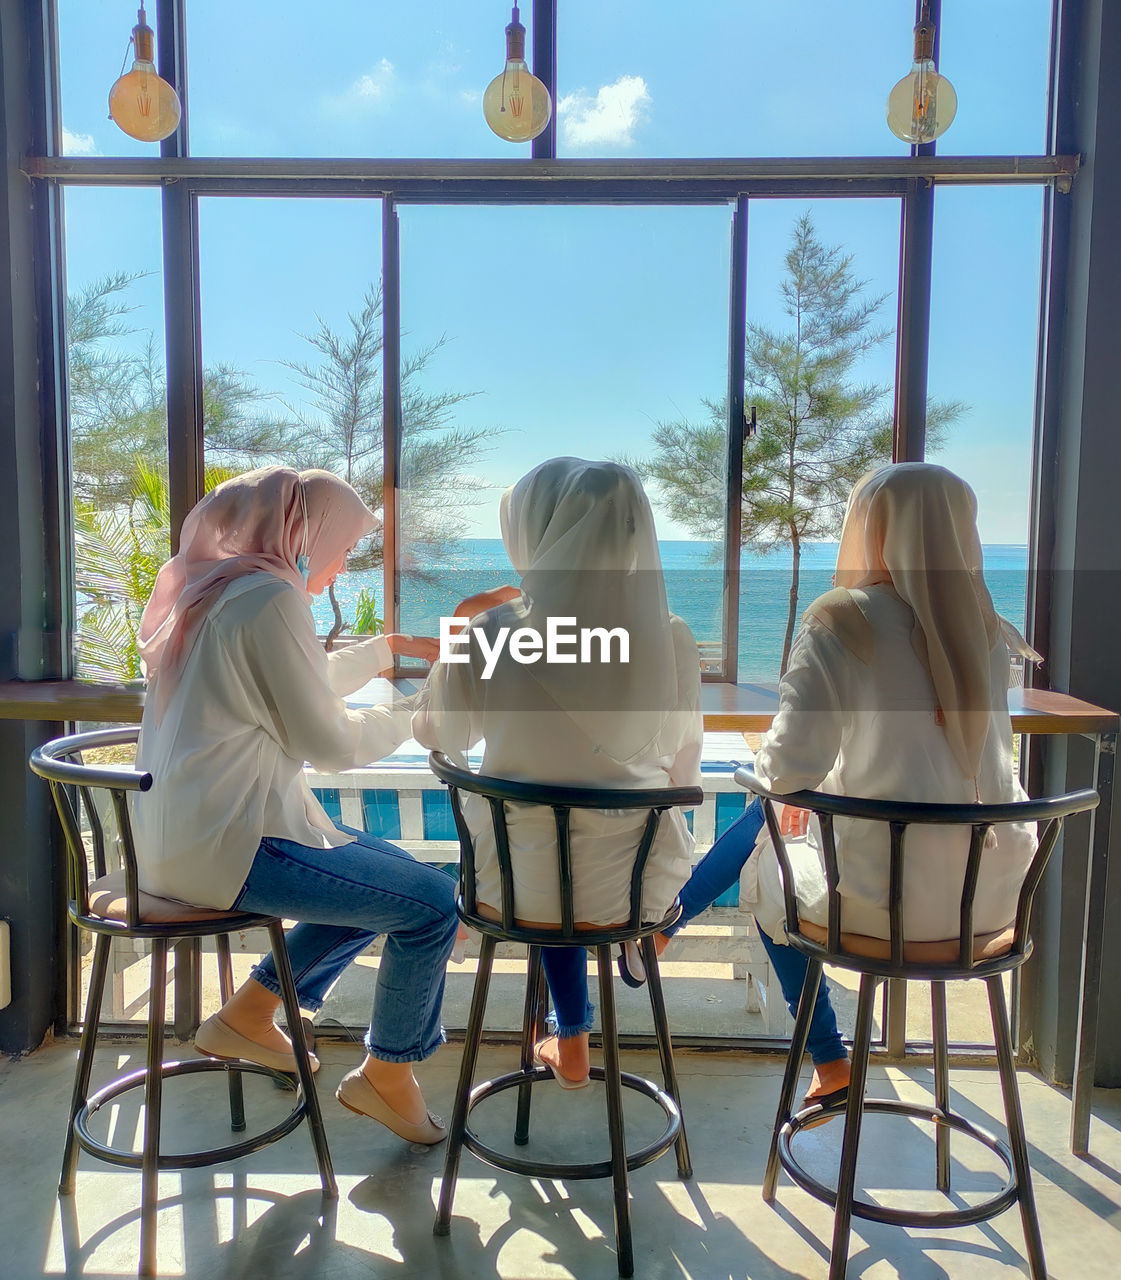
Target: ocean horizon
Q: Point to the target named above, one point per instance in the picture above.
(694, 582)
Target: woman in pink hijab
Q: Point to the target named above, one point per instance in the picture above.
(241, 694)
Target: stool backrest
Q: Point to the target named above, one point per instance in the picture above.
(562, 800)
(74, 785)
(899, 815)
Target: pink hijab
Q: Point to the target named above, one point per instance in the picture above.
(260, 522)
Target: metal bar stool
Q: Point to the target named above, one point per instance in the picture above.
(562, 800)
(114, 906)
(969, 955)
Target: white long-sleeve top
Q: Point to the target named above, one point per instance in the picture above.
(257, 698)
(870, 729)
(545, 746)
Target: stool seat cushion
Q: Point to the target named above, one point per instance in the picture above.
(108, 900)
(947, 951)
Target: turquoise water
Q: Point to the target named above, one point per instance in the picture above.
(693, 586)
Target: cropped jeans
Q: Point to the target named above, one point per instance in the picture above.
(343, 898)
(566, 972)
(716, 872)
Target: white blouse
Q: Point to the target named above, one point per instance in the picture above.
(546, 746)
(870, 729)
(258, 697)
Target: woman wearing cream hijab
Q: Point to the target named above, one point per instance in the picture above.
(896, 690)
(240, 695)
(581, 535)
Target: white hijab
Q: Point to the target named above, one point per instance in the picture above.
(913, 526)
(582, 537)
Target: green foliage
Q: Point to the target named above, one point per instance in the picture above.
(118, 553)
(343, 433)
(118, 424)
(366, 620)
(819, 429)
(118, 402)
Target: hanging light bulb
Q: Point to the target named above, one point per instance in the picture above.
(516, 104)
(142, 104)
(923, 104)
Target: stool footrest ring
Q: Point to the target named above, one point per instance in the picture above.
(575, 1172)
(970, 1215)
(188, 1159)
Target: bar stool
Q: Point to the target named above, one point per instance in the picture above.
(112, 906)
(970, 955)
(562, 800)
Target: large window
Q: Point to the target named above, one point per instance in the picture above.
(355, 272)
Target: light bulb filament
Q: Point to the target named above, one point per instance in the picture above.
(517, 102)
(144, 103)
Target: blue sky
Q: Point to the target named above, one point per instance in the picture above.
(582, 327)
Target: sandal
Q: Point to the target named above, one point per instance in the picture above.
(632, 969)
(826, 1100)
(563, 1081)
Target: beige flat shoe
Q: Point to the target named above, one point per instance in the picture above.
(357, 1094)
(216, 1039)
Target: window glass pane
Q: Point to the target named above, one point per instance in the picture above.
(118, 457)
(825, 403)
(291, 344)
(732, 79)
(984, 324)
(118, 418)
(92, 41)
(996, 56)
(809, 80)
(538, 332)
(286, 78)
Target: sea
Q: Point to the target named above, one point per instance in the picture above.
(694, 581)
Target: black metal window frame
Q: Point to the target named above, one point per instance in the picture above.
(542, 179)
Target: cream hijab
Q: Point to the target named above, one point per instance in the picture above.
(582, 537)
(263, 521)
(913, 526)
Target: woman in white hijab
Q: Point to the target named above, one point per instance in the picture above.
(581, 535)
(896, 689)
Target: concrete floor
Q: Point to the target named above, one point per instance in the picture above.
(262, 1219)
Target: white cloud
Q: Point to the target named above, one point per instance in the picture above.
(374, 86)
(609, 116)
(78, 144)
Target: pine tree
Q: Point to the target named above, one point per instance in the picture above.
(819, 429)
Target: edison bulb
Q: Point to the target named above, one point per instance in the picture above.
(143, 104)
(516, 104)
(922, 105)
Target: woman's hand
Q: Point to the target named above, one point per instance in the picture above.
(792, 821)
(485, 600)
(426, 648)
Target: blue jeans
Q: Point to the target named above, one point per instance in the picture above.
(566, 972)
(343, 899)
(716, 872)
